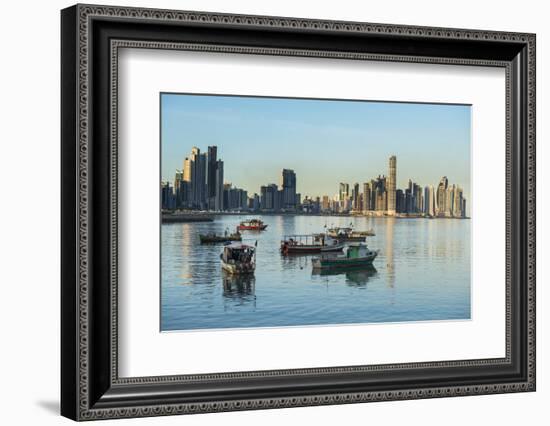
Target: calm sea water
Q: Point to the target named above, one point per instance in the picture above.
(421, 273)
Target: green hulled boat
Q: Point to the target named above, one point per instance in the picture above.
(354, 256)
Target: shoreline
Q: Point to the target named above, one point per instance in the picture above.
(189, 217)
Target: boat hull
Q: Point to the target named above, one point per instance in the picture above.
(343, 263)
(205, 239)
(303, 249)
(238, 269)
(251, 228)
(358, 239)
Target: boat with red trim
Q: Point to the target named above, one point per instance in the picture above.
(251, 225)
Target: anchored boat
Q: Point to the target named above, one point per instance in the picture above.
(213, 238)
(251, 225)
(238, 258)
(355, 255)
(349, 234)
(310, 243)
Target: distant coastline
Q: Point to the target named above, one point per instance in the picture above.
(207, 216)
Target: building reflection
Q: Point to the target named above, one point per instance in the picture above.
(185, 242)
(197, 261)
(388, 251)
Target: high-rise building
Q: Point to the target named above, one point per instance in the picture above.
(399, 201)
(235, 199)
(181, 191)
(392, 185)
(188, 166)
(288, 185)
(325, 203)
(458, 202)
(195, 173)
(355, 197)
(269, 197)
(449, 200)
(429, 201)
(441, 196)
(211, 182)
(344, 191)
(380, 194)
(366, 197)
(218, 192)
(255, 202)
(178, 193)
(203, 178)
(418, 198)
(167, 196)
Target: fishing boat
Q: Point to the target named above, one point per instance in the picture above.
(238, 258)
(251, 225)
(310, 243)
(355, 255)
(349, 234)
(213, 238)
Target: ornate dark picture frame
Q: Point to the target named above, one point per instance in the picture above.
(90, 385)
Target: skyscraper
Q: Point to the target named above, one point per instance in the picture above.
(391, 185)
(449, 200)
(178, 180)
(441, 196)
(366, 197)
(399, 201)
(195, 171)
(428, 206)
(288, 185)
(458, 202)
(188, 166)
(356, 197)
(168, 200)
(211, 166)
(269, 197)
(343, 194)
(418, 198)
(218, 192)
(325, 204)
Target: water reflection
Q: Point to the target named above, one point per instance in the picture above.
(389, 252)
(299, 261)
(422, 272)
(355, 277)
(238, 285)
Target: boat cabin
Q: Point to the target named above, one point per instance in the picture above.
(238, 253)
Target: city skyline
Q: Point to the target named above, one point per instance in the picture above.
(434, 140)
(201, 186)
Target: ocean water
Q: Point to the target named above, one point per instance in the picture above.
(422, 273)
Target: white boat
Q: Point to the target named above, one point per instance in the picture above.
(238, 258)
(310, 243)
(349, 234)
(354, 256)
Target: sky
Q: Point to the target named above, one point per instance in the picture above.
(324, 141)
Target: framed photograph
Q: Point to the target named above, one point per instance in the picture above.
(263, 212)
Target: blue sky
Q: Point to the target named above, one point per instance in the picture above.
(324, 141)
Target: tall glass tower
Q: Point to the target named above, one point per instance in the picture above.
(391, 185)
